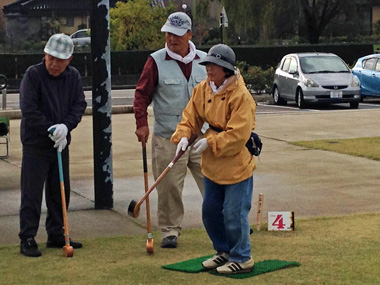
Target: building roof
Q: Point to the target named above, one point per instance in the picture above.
(24, 7)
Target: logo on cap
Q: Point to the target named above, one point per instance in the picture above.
(176, 21)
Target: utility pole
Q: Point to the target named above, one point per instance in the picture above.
(221, 28)
(101, 104)
(223, 23)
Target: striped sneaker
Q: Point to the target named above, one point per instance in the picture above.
(218, 259)
(236, 267)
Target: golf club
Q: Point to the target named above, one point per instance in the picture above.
(149, 241)
(68, 250)
(134, 207)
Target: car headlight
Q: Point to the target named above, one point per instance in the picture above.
(355, 81)
(309, 82)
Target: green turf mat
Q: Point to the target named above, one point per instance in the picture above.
(190, 266)
(195, 266)
(260, 268)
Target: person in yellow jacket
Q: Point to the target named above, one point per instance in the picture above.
(223, 101)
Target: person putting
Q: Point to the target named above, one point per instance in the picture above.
(223, 101)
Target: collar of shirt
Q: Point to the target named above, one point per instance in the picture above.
(167, 57)
(216, 89)
(185, 68)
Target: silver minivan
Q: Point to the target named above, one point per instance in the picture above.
(315, 78)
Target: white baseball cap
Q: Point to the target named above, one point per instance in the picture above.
(177, 23)
(60, 46)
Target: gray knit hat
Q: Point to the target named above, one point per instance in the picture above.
(60, 46)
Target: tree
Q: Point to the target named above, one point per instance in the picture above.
(258, 21)
(318, 14)
(137, 24)
(246, 17)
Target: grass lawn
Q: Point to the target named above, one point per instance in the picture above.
(333, 250)
(363, 147)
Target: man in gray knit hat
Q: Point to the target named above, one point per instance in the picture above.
(52, 103)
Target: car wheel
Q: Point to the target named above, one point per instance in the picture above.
(277, 98)
(354, 105)
(299, 98)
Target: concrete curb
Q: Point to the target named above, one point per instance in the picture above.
(119, 109)
(124, 109)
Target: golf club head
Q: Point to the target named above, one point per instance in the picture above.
(133, 209)
(68, 251)
(149, 246)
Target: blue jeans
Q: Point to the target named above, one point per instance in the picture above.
(225, 212)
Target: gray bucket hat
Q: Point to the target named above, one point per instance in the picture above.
(177, 23)
(221, 55)
(60, 46)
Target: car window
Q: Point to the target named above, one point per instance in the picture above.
(82, 34)
(377, 67)
(293, 66)
(285, 66)
(369, 63)
(323, 64)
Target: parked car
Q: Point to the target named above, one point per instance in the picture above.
(367, 69)
(315, 78)
(81, 37)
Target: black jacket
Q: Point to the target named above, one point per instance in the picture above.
(46, 100)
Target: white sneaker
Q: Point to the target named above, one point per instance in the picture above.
(236, 267)
(217, 260)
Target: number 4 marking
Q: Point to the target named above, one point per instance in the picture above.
(279, 222)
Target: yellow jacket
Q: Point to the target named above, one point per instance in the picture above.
(227, 159)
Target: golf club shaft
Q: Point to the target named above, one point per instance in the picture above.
(63, 198)
(145, 166)
(167, 169)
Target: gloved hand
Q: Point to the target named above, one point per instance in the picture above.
(182, 145)
(61, 144)
(60, 132)
(200, 145)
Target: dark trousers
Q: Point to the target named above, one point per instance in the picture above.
(39, 169)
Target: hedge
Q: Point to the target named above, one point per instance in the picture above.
(129, 64)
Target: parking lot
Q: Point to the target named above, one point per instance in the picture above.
(269, 107)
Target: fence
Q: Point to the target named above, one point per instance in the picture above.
(126, 66)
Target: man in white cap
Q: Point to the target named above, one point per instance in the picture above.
(167, 80)
(52, 101)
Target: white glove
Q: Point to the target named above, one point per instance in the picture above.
(182, 145)
(61, 144)
(60, 132)
(200, 145)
